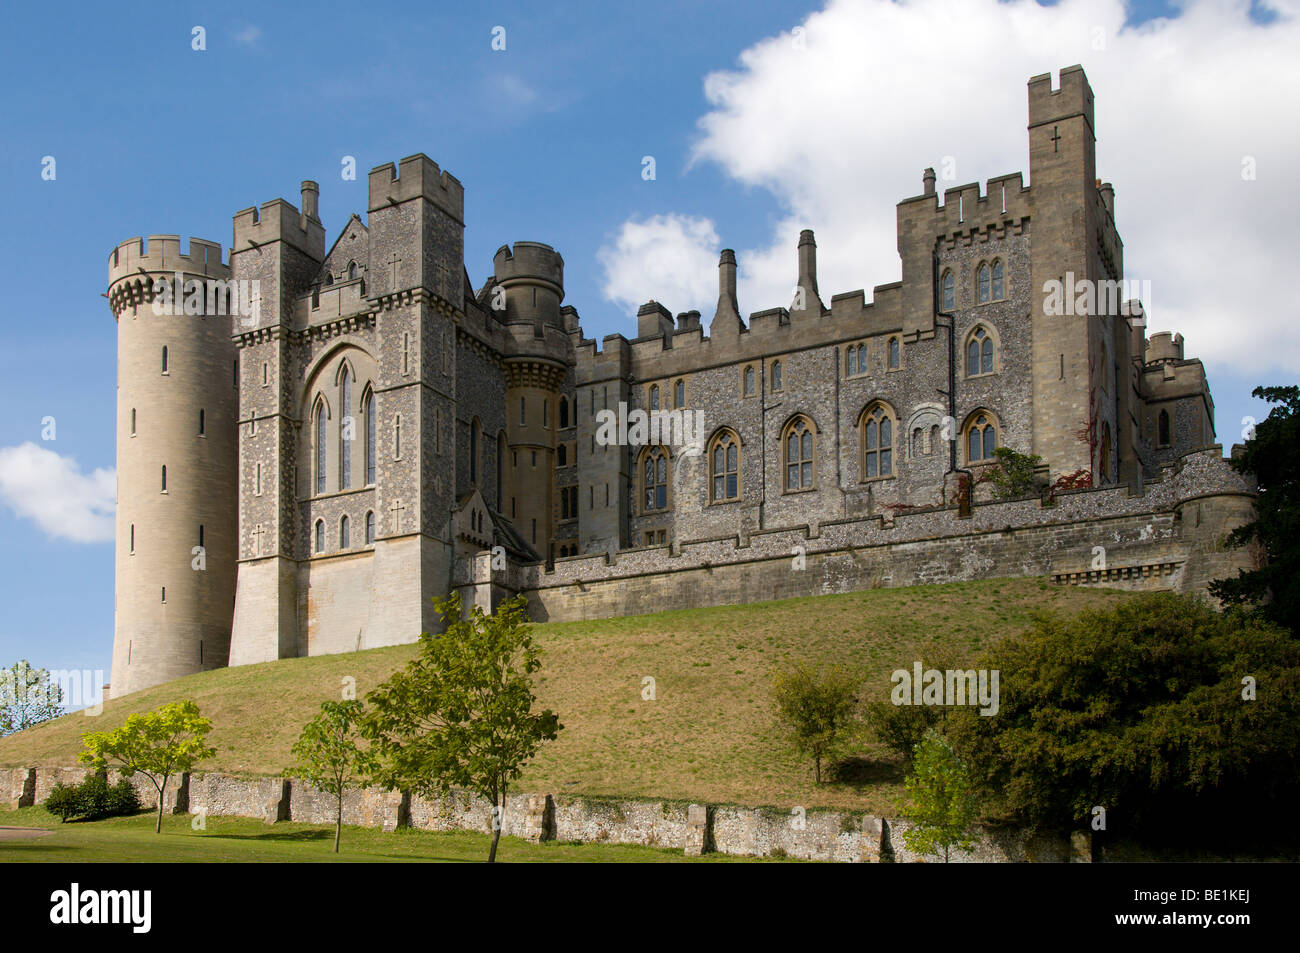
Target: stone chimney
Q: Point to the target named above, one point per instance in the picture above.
(1107, 196)
(812, 302)
(311, 199)
(727, 318)
(927, 182)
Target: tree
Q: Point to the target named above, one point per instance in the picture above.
(461, 712)
(941, 799)
(816, 706)
(1013, 477)
(1160, 710)
(158, 745)
(27, 697)
(1272, 454)
(328, 755)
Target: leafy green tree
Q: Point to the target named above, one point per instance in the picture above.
(816, 706)
(1272, 454)
(158, 745)
(27, 697)
(941, 799)
(1161, 710)
(461, 712)
(329, 755)
(1013, 476)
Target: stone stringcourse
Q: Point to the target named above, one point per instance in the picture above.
(697, 829)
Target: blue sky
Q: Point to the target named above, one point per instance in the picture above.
(548, 137)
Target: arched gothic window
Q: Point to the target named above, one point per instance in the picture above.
(679, 395)
(857, 359)
(347, 427)
(877, 443)
(981, 439)
(1162, 429)
(352, 270)
(979, 353)
(894, 353)
(997, 281)
(982, 289)
(799, 447)
(776, 375)
(654, 396)
(724, 467)
(345, 532)
(654, 479)
(320, 536)
(320, 446)
(949, 292)
(564, 412)
(749, 381)
(370, 527)
(371, 436)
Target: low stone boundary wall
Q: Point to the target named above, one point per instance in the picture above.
(694, 828)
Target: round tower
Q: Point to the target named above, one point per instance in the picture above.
(532, 279)
(177, 400)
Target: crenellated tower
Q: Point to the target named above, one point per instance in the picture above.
(177, 393)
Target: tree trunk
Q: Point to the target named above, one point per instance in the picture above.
(162, 791)
(818, 758)
(498, 822)
(338, 822)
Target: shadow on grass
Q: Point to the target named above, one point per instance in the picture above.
(861, 772)
(290, 836)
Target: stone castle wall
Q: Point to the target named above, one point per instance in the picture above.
(1168, 536)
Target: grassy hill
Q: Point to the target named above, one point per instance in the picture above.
(709, 733)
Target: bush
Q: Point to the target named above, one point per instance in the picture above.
(1161, 710)
(92, 799)
(63, 801)
(1013, 477)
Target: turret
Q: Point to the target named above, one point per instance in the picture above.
(531, 276)
(176, 458)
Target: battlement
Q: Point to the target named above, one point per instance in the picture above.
(965, 207)
(163, 253)
(529, 261)
(1073, 97)
(278, 220)
(417, 176)
(1164, 346)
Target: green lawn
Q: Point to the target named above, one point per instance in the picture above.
(708, 735)
(243, 840)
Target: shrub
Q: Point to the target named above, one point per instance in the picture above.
(1013, 477)
(92, 799)
(1161, 710)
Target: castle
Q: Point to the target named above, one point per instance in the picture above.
(369, 431)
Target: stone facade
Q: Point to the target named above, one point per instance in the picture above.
(397, 434)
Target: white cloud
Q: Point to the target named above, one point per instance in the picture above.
(38, 484)
(837, 125)
(669, 258)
